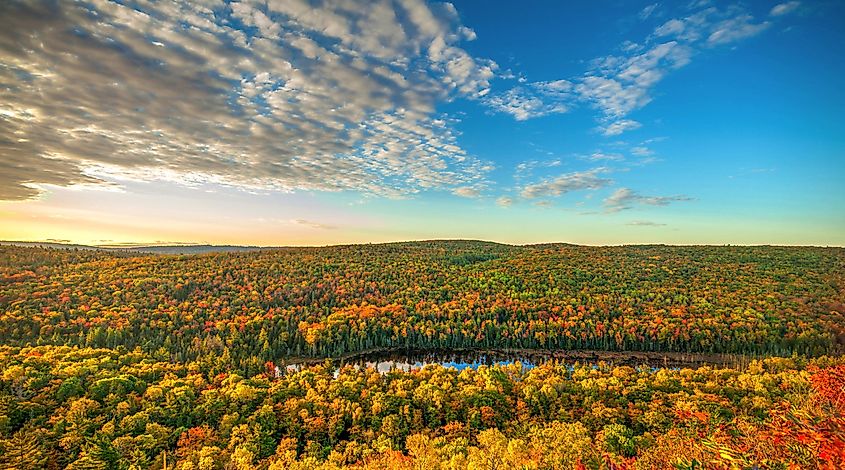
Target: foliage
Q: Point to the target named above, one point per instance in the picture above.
(135, 362)
(245, 309)
(775, 413)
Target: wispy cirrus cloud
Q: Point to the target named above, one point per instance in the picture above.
(618, 127)
(566, 183)
(648, 11)
(312, 224)
(642, 151)
(734, 29)
(617, 85)
(784, 8)
(626, 198)
(604, 156)
(282, 95)
(644, 223)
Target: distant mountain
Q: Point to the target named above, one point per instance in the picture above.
(63, 246)
(154, 249)
(445, 244)
(192, 249)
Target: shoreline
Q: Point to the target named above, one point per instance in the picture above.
(666, 359)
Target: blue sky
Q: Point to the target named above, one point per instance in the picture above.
(286, 122)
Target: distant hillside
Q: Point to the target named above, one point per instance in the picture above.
(192, 249)
(447, 244)
(450, 247)
(155, 249)
(64, 246)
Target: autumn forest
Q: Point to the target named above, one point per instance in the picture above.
(136, 361)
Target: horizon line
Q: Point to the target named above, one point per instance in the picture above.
(131, 246)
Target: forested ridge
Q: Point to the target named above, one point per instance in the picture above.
(324, 302)
(127, 361)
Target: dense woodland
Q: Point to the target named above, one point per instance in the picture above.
(82, 408)
(113, 360)
(249, 308)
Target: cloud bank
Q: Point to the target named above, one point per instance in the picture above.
(285, 95)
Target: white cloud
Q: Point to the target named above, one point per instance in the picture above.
(611, 96)
(468, 33)
(734, 29)
(504, 201)
(526, 169)
(330, 96)
(621, 85)
(644, 223)
(784, 8)
(566, 183)
(467, 191)
(625, 198)
(312, 224)
(334, 96)
(616, 86)
(648, 11)
(699, 4)
(532, 101)
(601, 156)
(642, 151)
(618, 127)
(672, 27)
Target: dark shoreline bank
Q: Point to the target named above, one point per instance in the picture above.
(535, 356)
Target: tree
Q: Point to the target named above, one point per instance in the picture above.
(22, 452)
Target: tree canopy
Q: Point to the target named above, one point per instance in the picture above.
(118, 361)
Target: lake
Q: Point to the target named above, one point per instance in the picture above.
(386, 360)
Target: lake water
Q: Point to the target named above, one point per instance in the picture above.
(385, 361)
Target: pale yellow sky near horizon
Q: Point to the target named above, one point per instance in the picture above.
(150, 213)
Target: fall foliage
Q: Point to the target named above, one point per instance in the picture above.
(116, 361)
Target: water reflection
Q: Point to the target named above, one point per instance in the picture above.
(386, 361)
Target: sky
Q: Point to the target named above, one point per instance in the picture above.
(296, 122)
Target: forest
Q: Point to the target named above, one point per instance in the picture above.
(132, 361)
